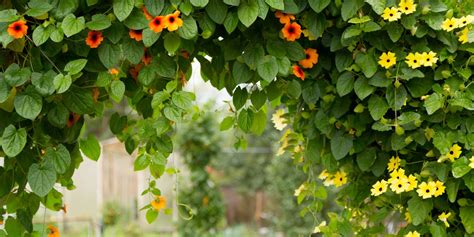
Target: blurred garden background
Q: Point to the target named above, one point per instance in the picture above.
(213, 187)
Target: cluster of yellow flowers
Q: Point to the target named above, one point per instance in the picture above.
(413, 234)
(414, 60)
(471, 163)
(337, 179)
(399, 182)
(395, 13)
(453, 23)
(278, 120)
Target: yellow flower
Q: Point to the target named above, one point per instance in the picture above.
(387, 60)
(317, 229)
(463, 36)
(429, 58)
(413, 234)
(407, 6)
(324, 174)
(414, 60)
(329, 181)
(408, 217)
(391, 14)
(400, 185)
(463, 21)
(278, 120)
(412, 183)
(444, 218)
(393, 163)
(471, 164)
(439, 188)
(340, 178)
(158, 203)
(397, 174)
(283, 143)
(299, 190)
(426, 190)
(379, 188)
(454, 152)
(450, 24)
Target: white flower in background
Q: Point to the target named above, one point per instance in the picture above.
(299, 190)
(278, 120)
(317, 229)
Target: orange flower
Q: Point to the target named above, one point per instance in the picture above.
(158, 24)
(113, 71)
(53, 231)
(173, 21)
(17, 29)
(159, 203)
(291, 31)
(148, 16)
(298, 72)
(94, 38)
(312, 57)
(284, 18)
(73, 118)
(136, 34)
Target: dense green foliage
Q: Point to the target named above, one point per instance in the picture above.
(349, 115)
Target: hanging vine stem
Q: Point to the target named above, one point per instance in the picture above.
(44, 54)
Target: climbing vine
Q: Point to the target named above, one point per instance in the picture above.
(377, 94)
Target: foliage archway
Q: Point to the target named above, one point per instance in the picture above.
(358, 81)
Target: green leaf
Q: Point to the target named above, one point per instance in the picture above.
(159, 98)
(258, 98)
(469, 181)
(396, 97)
(41, 178)
(151, 215)
(150, 37)
(467, 218)
(58, 116)
(136, 20)
(239, 98)
(90, 147)
(172, 113)
(259, 122)
(4, 90)
(394, 31)
(227, 123)
(368, 64)
(294, 89)
(461, 167)
(13, 140)
(62, 83)
(199, 3)
(38, 8)
(110, 55)
(13, 227)
(154, 7)
(366, 159)
(133, 51)
(117, 123)
(437, 230)
(75, 66)
(172, 42)
(341, 145)
(362, 88)
(166, 67)
(245, 120)
(231, 21)
(350, 7)
(16, 76)
(59, 157)
(241, 72)
(419, 209)
(318, 5)
(351, 31)
(377, 5)
(316, 24)
(72, 25)
(28, 104)
(232, 2)
(189, 30)
(41, 35)
(277, 4)
(217, 11)
(8, 15)
(79, 100)
(117, 90)
(433, 103)
(248, 12)
(141, 162)
(123, 8)
(345, 83)
(183, 99)
(452, 187)
(147, 75)
(268, 68)
(99, 22)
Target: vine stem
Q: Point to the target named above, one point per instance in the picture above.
(46, 56)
